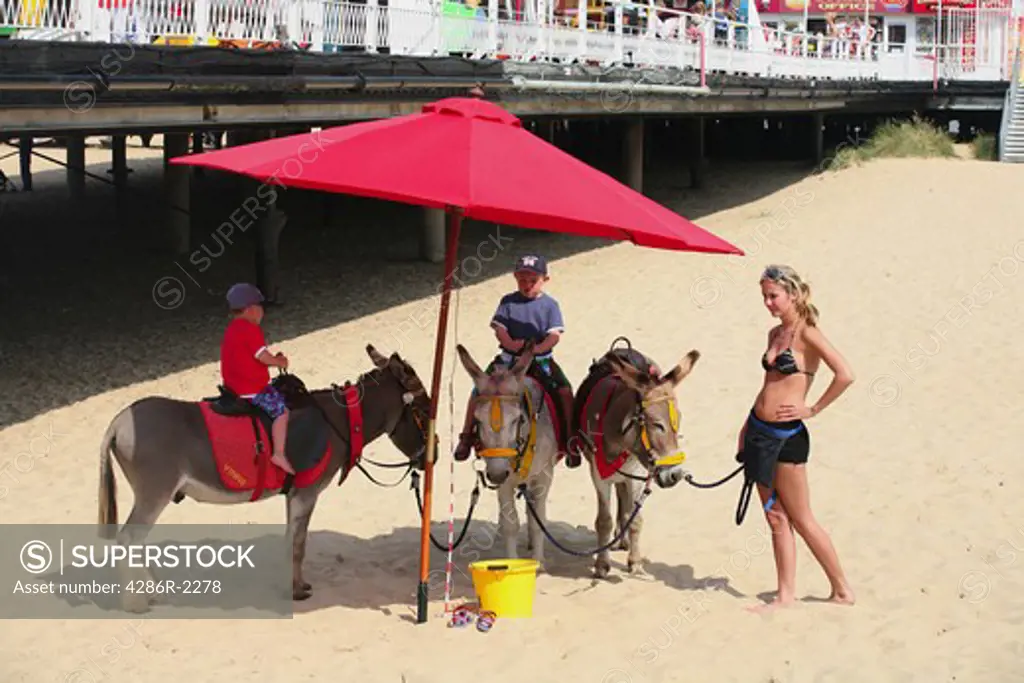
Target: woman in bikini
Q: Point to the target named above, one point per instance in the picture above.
(775, 441)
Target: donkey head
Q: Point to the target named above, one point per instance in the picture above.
(502, 407)
(406, 405)
(650, 428)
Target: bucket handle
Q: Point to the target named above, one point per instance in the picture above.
(497, 567)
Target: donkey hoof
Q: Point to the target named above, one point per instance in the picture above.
(601, 569)
(302, 592)
(307, 586)
(636, 568)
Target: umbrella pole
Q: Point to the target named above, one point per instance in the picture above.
(451, 251)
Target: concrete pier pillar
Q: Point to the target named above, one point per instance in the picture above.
(432, 241)
(268, 263)
(76, 166)
(546, 130)
(176, 194)
(818, 131)
(25, 157)
(119, 160)
(633, 153)
(697, 157)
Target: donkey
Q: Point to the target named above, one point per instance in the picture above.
(517, 440)
(166, 451)
(626, 427)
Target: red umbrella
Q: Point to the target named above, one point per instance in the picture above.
(475, 160)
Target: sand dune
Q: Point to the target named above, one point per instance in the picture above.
(917, 269)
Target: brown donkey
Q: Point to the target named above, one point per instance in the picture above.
(170, 449)
(627, 425)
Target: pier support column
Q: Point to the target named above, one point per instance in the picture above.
(76, 166)
(25, 157)
(119, 160)
(176, 194)
(268, 263)
(818, 131)
(546, 130)
(432, 241)
(633, 151)
(697, 157)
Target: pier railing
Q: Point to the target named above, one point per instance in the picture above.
(620, 33)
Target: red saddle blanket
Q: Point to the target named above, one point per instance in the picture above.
(592, 421)
(240, 465)
(549, 402)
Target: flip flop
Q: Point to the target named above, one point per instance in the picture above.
(485, 621)
(462, 616)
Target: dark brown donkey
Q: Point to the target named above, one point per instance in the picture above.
(165, 450)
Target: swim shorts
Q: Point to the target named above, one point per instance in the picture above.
(271, 401)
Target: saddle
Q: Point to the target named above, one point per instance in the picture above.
(308, 432)
(599, 369)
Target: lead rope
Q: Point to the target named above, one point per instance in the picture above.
(448, 573)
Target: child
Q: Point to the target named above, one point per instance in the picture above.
(244, 361)
(529, 314)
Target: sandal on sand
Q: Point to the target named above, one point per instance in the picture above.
(485, 621)
(461, 616)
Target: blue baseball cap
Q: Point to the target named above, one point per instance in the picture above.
(532, 263)
(243, 295)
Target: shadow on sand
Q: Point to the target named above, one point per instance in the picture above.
(341, 574)
(88, 305)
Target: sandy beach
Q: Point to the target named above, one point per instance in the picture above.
(916, 266)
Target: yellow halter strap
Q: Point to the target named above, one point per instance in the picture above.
(677, 458)
(522, 467)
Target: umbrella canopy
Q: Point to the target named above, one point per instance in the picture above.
(471, 154)
(473, 159)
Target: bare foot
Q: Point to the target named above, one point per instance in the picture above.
(843, 596)
(283, 463)
(770, 607)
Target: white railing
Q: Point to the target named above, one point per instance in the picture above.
(623, 33)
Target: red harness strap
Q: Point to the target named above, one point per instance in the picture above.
(355, 425)
(604, 468)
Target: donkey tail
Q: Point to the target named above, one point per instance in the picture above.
(108, 485)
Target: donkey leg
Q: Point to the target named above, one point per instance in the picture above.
(300, 509)
(603, 525)
(508, 518)
(150, 502)
(622, 514)
(635, 559)
(539, 487)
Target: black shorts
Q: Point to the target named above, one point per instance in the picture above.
(767, 443)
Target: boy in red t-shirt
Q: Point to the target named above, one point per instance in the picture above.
(244, 361)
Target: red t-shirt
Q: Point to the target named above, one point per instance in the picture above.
(239, 369)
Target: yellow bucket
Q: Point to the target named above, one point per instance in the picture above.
(505, 587)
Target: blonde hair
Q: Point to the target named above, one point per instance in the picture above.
(794, 285)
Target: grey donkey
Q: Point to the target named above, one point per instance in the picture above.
(163, 448)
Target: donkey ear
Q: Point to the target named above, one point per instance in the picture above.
(379, 360)
(680, 371)
(522, 363)
(467, 362)
(626, 372)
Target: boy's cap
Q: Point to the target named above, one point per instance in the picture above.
(532, 263)
(243, 295)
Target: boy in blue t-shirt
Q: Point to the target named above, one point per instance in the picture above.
(530, 314)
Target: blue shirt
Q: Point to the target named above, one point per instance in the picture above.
(526, 318)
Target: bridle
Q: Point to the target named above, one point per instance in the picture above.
(638, 422)
(525, 442)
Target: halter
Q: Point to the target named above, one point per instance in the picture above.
(640, 419)
(523, 453)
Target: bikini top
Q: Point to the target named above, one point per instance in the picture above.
(784, 363)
